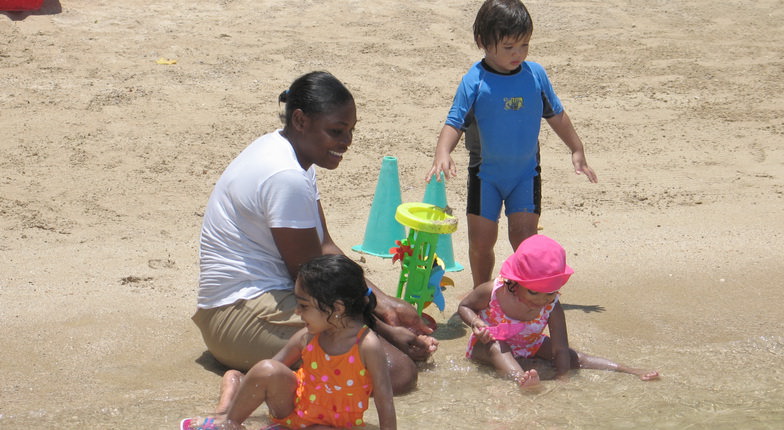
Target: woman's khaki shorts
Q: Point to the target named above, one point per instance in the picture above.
(241, 334)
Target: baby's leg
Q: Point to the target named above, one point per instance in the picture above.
(499, 355)
(267, 381)
(590, 362)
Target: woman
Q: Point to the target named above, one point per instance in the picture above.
(264, 219)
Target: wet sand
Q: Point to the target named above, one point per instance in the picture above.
(108, 158)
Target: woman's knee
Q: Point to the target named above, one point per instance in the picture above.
(404, 374)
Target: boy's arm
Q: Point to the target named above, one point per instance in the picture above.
(560, 341)
(563, 127)
(292, 351)
(375, 361)
(442, 162)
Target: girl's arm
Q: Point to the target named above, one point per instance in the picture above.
(292, 351)
(447, 141)
(471, 305)
(563, 127)
(374, 359)
(560, 341)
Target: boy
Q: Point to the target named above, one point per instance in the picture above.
(504, 97)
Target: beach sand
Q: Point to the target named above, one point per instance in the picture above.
(107, 159)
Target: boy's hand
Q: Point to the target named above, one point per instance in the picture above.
(581, 166)
(442, 164)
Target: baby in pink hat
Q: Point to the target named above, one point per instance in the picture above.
(507, 317)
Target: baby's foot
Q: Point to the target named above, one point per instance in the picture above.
(530, 378)
(648, 375)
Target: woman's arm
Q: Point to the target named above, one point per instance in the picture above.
(374, 359)
(391, 310)
(299, 245)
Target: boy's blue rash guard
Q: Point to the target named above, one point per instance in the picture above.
(508, 110)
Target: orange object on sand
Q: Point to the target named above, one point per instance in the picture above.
(18, 5)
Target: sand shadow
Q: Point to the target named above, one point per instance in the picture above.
(454, 328)
(49, 7)
(585, 308)
(209, 363)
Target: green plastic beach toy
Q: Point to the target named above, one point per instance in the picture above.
(426, 222)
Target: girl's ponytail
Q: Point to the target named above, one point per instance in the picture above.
(370, 307)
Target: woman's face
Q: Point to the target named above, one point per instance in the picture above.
(324, 138)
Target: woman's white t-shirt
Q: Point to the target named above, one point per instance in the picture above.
(263, 188)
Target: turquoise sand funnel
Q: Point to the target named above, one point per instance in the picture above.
(382, 230)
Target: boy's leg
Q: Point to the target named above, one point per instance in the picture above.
(523, 206)
(482, 235)
(521, 226)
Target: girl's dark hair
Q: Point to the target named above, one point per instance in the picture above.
(498, 19)
(314, 93)
(329, 278)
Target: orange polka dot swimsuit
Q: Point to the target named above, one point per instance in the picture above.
(332, 390)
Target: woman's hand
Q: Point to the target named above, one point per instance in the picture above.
(418, 347)
(399, 313)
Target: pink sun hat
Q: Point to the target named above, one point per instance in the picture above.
(539, 264)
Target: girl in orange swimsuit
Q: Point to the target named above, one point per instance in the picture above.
(342, 360)
(508, 316)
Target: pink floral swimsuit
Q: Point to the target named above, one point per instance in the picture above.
(523, 337)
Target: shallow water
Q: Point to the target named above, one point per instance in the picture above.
(732, 384)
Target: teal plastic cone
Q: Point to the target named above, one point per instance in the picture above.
(382, 230)
(435, 194)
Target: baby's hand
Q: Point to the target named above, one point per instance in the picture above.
(482, 333)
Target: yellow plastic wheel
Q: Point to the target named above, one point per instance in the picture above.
(426, 217)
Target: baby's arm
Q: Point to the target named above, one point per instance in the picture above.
(374, 359)
(442, 162)
(560, 341)
(471, 305)
(563, 127)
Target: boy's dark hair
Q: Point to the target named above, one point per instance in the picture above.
(329, 278)
(498, 19)
(314, 93)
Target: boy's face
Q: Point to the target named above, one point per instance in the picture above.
(508, 54)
